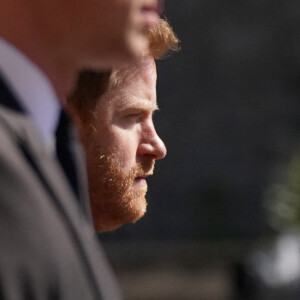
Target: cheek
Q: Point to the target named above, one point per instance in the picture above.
(125, 146)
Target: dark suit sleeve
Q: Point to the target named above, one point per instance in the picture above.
(47, 250)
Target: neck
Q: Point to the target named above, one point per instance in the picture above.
(20, 27)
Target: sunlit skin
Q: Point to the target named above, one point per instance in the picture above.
(121, 147)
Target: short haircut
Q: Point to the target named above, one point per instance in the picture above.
(92, 84)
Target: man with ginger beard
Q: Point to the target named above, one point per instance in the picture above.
(118, 133)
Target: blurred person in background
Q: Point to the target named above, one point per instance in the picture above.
(113, 112)
(48, 249)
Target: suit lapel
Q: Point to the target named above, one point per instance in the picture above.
(7, 99)
(23, 129)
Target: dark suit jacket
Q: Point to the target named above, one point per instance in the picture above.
(47, 247)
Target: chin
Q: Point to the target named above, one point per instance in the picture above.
(133, 212)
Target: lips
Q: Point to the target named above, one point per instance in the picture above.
(142, 178)
(143, 170)
(151, 13)
(150, 17)
(157, 6)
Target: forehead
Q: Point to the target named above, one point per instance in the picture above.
(142, 72)
(133, 84)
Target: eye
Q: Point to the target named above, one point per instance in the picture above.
(134, 116)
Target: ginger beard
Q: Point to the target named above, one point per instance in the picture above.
(117, 196)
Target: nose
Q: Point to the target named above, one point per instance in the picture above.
(152, 145)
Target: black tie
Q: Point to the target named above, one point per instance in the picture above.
(65, 151)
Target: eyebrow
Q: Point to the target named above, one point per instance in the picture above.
(139, 105)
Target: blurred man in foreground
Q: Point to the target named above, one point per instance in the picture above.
(48, 250)
(113, 112)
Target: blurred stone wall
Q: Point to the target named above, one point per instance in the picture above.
(230, 117)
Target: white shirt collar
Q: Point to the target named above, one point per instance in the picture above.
(32, 89)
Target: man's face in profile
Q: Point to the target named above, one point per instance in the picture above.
(98, 33)
(121, 147)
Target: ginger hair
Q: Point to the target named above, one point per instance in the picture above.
(162, 40)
